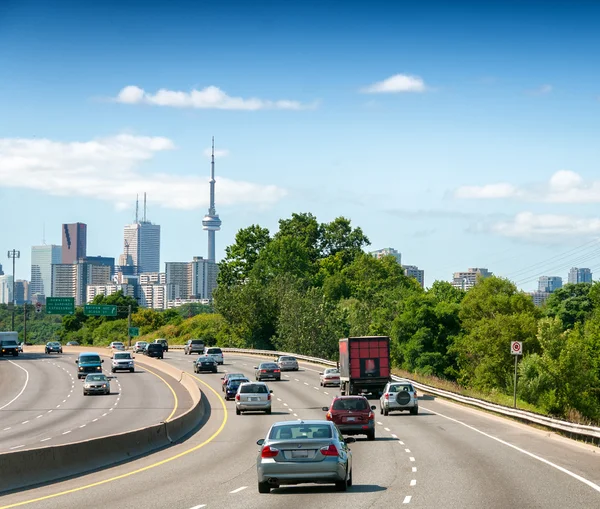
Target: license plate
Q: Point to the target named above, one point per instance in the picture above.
(299, 454)
(252, 399)
(350, 419)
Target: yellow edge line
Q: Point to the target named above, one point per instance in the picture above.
(139, 470)
(172, 392)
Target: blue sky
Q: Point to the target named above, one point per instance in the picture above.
(463, 134)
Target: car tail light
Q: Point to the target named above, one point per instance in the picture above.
(275, 371)
(237, 397)
(268, 397)
(331, 450)
(329, 416)
(387, 396)
(263, 370)
(415, 394)
(269, 452)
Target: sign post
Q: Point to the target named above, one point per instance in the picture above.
(38, 307)
(516, 348)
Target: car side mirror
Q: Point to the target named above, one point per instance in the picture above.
(320, 373)
(260, 442)
(102, 361)
(349, 440)
(76, 362)
(325, 409)
(270, 392)
(255, 367)
(132, 357)
(373, 407)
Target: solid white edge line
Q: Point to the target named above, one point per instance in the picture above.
(523, 451)
(407, 499)
(24, 386)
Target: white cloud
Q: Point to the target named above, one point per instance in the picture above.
(109, 169)
(208, 98)
(542, 90)
(218, 152)
(546, 227)
(395, 84)
(563, 187)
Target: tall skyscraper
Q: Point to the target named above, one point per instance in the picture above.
(204, 278)
(415, 272)
(580, 275)
(179, 279)
(387, 251)
(141, 244)
(72, 279)
(6, 289)
(21, 292)
(211, 221)
(549, 283)
(42, 259)
(74, 242)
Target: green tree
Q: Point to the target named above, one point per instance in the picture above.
(572, 303)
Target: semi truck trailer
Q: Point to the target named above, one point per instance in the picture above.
(364, 365)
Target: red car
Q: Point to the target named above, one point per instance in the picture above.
(352, 415)
(229, 376)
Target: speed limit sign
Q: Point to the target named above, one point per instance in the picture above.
(516, 347)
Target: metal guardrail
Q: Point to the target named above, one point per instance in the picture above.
(580, 430)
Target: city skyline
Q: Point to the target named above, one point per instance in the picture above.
(459, 154)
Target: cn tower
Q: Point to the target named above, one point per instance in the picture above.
(211, 221)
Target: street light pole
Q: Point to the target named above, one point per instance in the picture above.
(14, 254)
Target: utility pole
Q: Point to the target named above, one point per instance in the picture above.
(129, 324)
(25, 323)
(14, 254)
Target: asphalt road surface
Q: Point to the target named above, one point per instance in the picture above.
(448, 456)
(42, 402)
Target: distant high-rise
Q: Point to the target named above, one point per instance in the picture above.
(21, 292)
(467, 280)
(549, 283)
(42, 259)
(414, 272)
(211, 221)
(141, 244)
(580, 275)
(74, 242)
(6, 289)
(1, 272)
(387, 251)
(72, 279)
(204, 278)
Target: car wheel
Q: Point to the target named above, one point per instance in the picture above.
(238, 411)
(414, 410)
(341, 485)
(386, 411)
(85, 393)
(381, 410)
(132, 370)
(112, 370)
(371, 435)
(349, 481)
(263, 487)
(268, 412)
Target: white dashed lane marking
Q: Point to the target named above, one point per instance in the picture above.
(16, 447)
(306, 383)
(45, 439)
(411, 458)
(24, 422)
(413, 482)
(407, 499)
(239, 489)
(66, 432)
(407, 450)
(325, 392)
(414, 469)
(387, 429)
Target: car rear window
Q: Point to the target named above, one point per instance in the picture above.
(300, 431)
(268, 365)
(154, 346)
(254, 388)
(197, 342)
(236, 382)
(350, 404)
(214, 350)
(403, 387)
(288, 358)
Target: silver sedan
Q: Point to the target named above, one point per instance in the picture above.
(301, 452)
(253, 397)
(287, 363)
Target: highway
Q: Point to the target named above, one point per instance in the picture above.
(448, 456)
(43, 404)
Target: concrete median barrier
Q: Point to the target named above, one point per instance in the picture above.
(21, 469)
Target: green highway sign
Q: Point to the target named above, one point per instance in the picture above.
(60, 305)
(99, 310)
(134, 331)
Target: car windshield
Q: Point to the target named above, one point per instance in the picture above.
(332, 371)
(95, 378)
(350, 404)
(53, 343)
(89, 358)
(268, 365)
(254, 389)
(124, 355)
(9, 342)
(401, 387)
(300, 431)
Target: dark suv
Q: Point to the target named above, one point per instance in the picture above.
(154, 350)
(163, 343)
(193, 346)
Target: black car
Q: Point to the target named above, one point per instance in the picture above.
(154, 350)
(232, 387)
(53, 347)
(267, 371)
(205, 364)
(163, 343)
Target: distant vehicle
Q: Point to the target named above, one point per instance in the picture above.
(287, 363)
(232, 387)
(117, 345)
(21, 345)
(88, 363)
(154, 350)
(122, 361)
(53, 347)
(298, 452)
(215, 353)
(352, 415)
(330, 376)
(72, 343)
(253, 397)
(9, 343)
(96, 384)
(364, 365)
(193, 346)
(267, 371)
(230, 376)
(399, 396)
(139, 346)
(205, 364)
(162, 342)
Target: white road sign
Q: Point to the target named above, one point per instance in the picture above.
(516, 347)
(38, 307)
